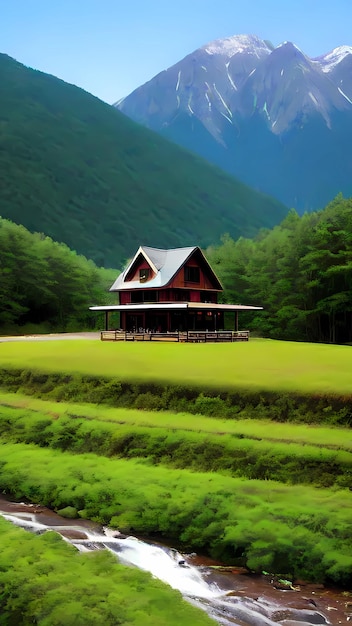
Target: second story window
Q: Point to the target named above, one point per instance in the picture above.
(144, 275)
(139, 296)
(192, 274)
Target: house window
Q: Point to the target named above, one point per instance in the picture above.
(192, 274)
(207, 296)
(144, 275)
(138, 296)
(181, 295)
(151, 296)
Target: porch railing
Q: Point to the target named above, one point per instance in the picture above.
(193, 336)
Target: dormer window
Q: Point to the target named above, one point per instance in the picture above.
(192, 274)
(144, 275)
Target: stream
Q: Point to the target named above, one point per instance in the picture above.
(228, 597)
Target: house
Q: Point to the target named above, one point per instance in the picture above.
(169, 291)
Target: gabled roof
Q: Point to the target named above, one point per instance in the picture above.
(164, 263)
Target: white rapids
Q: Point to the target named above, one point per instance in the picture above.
(163, 563)
(170, 566)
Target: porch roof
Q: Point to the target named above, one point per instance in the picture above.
(176, 306)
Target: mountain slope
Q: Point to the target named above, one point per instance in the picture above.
(78, 170)
(273, 117)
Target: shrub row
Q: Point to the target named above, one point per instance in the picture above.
(296, 531)
(325, 436)
(282, 407)
(235, 455)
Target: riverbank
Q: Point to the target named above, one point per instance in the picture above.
(305, 601)
(45, 580)
(298, 531)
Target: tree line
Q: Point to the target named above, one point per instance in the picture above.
(300, 272)
(44, 285)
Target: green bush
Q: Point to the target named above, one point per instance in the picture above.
(47, 582)
(68, 511)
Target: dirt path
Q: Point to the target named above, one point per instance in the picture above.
(51, 337)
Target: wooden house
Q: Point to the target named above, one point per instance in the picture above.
(169, 291)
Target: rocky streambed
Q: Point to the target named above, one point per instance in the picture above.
(229, 595)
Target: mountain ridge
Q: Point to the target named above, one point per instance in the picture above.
(224, 87)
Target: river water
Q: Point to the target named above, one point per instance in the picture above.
(229, 598)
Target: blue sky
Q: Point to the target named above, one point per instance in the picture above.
(110, 47)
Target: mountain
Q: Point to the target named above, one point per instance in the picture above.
(79, 171)
(273, 117)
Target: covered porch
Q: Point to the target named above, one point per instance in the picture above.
(177, 321)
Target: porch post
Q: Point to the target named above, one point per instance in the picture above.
(236, 320)
(106, 320)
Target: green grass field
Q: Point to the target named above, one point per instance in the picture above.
(257, 365)
(264, 477)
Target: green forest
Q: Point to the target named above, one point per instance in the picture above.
(45, 286)
(300, 272)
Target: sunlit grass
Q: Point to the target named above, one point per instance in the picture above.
(329, 437)
(256, 365)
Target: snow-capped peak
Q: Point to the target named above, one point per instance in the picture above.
(236, 45)
(290, 45)
(333, 58)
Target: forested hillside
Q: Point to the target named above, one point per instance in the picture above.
(300, 272)
(44, 285)
(78, 170)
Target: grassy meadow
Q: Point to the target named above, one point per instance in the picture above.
(176, 440)
(257, 365)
